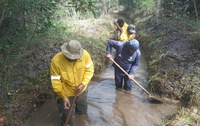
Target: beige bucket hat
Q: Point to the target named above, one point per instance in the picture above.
(72, 49)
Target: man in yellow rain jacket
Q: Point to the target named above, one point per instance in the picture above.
(123, 31)
(121, 26)
(128, 34)
(71, 71)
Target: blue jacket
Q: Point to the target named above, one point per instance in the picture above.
(128, 61)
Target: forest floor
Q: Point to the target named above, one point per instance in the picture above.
(173, 58)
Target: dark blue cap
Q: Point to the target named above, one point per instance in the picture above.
(133, 44)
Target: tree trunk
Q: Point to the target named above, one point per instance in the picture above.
(102, 7)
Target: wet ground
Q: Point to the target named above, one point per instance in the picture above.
(110, 107)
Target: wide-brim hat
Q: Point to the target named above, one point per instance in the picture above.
(72, 49)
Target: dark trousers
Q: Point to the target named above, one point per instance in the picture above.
(80, 108)
(121, 78)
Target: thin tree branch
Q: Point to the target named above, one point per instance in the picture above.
(2, 17)
(195, 8)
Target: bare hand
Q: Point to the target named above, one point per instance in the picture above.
(111, 32)
(66, 103)
(131, 77)
(79, 88)
(115, 22)
(109, 56)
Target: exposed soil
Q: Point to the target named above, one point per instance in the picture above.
(174, 64)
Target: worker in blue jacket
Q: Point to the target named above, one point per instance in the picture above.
(128, 57)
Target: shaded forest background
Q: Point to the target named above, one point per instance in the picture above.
(27, 26)
(22, 20)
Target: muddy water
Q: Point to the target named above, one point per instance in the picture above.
(110, 107)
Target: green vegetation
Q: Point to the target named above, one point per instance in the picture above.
(147, 6)
(168, 75)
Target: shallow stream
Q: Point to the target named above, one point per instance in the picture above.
(110, 107)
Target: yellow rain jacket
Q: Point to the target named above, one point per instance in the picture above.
(124, 37)
(66, 76)
(124, 28)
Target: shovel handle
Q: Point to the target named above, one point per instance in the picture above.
(131, 77)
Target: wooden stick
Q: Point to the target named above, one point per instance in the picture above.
(131, 78)
(70, 111)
